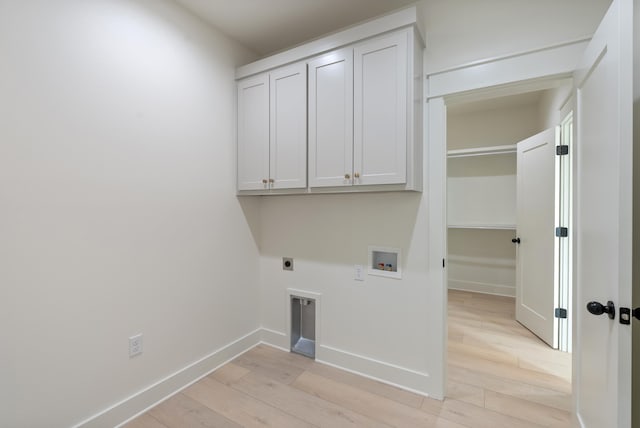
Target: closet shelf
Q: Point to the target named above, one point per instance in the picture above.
(483, 226)
(482, 151)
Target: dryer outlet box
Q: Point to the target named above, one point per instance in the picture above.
(287, 263)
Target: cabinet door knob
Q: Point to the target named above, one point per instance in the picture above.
(264, 181)
(271, 180)
(347, 176)
(356, 175)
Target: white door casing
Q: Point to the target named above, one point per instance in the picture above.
(331, 119)
(603, 264)
(536, 283)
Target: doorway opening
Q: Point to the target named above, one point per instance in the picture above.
(493, 358)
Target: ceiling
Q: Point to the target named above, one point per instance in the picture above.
(268, 26)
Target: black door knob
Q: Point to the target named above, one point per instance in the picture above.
(516, 240)
(597, 308)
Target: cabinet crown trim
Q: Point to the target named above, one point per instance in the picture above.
(393, 21)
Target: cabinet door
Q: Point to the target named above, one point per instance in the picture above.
(380, 110)
(253, 133)
(331, 119)
(288, 145)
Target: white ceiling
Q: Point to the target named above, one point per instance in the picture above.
(268, 26)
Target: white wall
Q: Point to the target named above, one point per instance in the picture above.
(370, 325)
(551, 103)
(378, 320)
(492, 126)
(463, 31)
(482, 190)
(118, 214)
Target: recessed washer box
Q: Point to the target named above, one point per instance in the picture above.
(384, 261)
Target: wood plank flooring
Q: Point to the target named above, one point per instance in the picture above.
(500, 375)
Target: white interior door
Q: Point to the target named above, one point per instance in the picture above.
(603, 264)
(536, 284)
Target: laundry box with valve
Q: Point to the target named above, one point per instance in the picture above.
(303, 326)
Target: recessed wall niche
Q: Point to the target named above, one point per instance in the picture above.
(384, 261)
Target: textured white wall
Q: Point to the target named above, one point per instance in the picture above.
(118, 214)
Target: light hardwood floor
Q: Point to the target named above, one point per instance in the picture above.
(500, 375)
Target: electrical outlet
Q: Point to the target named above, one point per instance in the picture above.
(135, 345)
(358, 273)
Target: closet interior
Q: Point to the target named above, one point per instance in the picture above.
(482, 139)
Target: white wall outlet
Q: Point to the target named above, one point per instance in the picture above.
(135, 345)
(358, 273)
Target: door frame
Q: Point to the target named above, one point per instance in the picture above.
(523, 72)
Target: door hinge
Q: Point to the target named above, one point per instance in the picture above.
(562, 150)
(561, 313)
(562, 232)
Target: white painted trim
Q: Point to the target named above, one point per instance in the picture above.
(143, 400)
(402, 18)
(481, 287)
(401, 377)
(436, 163)
(584, 39)
(556, 61)
(408, 188)
(275, 339)
(391, 374)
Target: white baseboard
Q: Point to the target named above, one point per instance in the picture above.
(138, 403)
(480, 287)
(141, 401)
(391, 374)
(275, 339)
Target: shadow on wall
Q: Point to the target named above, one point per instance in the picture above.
(250, 206)
(337, 229)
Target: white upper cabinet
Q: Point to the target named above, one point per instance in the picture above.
(360, 113)
(380, 110)
(272, 128)
(344, 111)
(253, 133)
(331, 119)
(288, 128)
